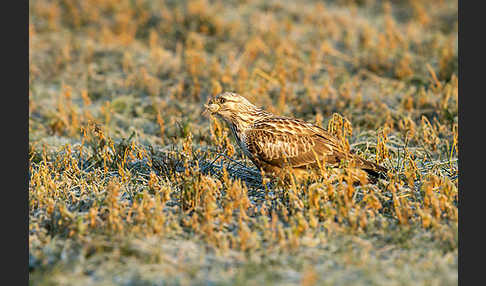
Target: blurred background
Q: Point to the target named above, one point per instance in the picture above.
(150, 65)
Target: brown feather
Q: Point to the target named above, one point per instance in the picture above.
(280, 142)
(274, 142)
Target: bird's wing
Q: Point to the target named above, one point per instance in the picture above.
(284, 141)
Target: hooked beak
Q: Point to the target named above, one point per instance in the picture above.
(212, 108)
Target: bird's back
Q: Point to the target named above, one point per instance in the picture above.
(275, 142)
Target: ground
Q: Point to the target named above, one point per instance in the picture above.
(129, 184)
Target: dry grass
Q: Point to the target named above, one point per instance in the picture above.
(130, 184)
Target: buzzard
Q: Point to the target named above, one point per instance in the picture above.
(274, 142)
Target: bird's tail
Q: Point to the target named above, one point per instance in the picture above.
(372, 168)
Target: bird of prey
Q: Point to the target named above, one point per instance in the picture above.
(274, 142)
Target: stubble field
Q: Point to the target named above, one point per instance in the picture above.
(129, 184)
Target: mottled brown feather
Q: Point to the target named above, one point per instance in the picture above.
(280, 141)
(274, 142)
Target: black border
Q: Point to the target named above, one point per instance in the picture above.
(15, 99)
(471, 126)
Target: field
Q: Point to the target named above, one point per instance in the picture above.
(130, 184)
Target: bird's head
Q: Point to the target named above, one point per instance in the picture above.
(227, 104)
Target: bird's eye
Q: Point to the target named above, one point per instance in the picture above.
(222, 100)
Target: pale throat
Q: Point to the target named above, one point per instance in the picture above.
(240, 121)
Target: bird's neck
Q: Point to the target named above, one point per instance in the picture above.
(240, 122)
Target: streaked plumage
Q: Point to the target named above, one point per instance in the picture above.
(273, 142)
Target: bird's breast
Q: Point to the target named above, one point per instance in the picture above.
(241, 141)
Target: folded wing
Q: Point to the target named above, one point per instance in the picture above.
(294, 143)
(280, 142)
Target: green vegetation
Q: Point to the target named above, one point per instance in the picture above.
(129, 184)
